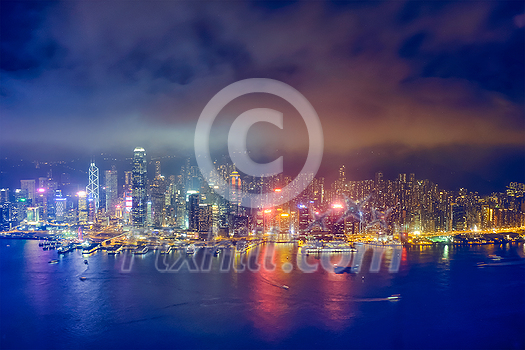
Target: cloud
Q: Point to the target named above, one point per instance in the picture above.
(419, 74)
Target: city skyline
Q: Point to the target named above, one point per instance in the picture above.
(262, 174)
(187, 201)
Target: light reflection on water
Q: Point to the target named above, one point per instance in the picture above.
(440, 285)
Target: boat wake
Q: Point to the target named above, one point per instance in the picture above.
(265, 280)
(502, 263)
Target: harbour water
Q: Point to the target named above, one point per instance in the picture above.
(447, 300)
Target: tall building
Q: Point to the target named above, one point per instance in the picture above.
(60, 208)
(28, 186)
(111, 190)
(157, 168)
(235, 191)
(193, 211)
(4, 195)
(158, 200)
(92, 189)
(127, 181)
(205, 217)
(82, 208)
(138, 184)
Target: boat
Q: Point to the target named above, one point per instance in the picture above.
(285, 286)
(83, 278)
(65, 249)
(190, 249)
(166, 250)
(385, 244)
(141, 251)
(343, 269)
(114, 250)
(495, 257)
(394, 297)
(93, 247)
(54, 261)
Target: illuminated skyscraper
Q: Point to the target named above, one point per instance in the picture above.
(92, 188)
(157, 168)
(4, 195)
(111, 191)
(138, 183)
(82, 208)
(28, 186)
(193, 212)
(60, 211)
(127, 181)
(235, 191)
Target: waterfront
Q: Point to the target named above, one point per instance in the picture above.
(447, 301)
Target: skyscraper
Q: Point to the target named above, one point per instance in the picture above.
(157, 168)
(111, 191)
(138, 183)
(82, 208)
(92, 188)
(193, 211)
(28, 186)
(235, 191)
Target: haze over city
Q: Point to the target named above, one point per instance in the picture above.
(434, 88)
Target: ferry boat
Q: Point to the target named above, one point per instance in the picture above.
(141, 251)
(166, 250)
(386, 244)
(190, 249)
(65, 249)
(93, 247)
(114, 250)
(331, 248)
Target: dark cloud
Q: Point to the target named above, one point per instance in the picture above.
(417, 75)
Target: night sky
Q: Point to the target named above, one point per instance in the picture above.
(431, 87)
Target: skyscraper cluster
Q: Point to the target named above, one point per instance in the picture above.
(188, 203)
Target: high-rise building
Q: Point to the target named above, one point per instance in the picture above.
(158, 203)
(205, 217)
(127, 181)
(28, 186)
(157, 168)
(60, 208)
(111, 185)
(193, 211)
(4, 195)
(82, 208)
(138, 184)
(92, 189)
(235, 191)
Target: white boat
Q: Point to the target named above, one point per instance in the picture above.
(394, 297)
(190, 249)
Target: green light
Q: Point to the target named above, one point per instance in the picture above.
(22, 199)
